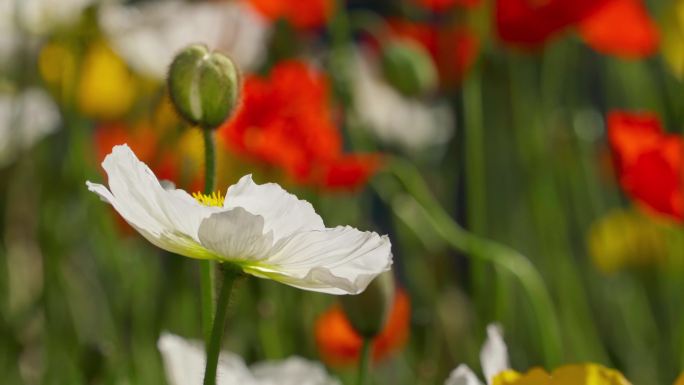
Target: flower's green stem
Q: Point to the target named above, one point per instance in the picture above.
(207, 300)
(207, 267)
(230, 274)
(364, 361)
(209, 161)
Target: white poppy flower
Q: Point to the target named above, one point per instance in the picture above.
(25, 118)
(149, 35)
(23, 22)
(264, 230)
(184, 364)
(394, 118)
(493, 358)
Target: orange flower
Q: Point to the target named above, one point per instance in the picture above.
(303, 14)
(617, 27)
(340, 345)
(286, 121)
(650, 163)
(453, 48)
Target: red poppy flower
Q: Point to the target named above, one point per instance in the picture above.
(285, 120)
(453, 48)
(650, 163)
(621, 28)
(443, 5)
(340, 345)
(303, 14)
(618, 27)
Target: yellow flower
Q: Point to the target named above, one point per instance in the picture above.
(494, 361)
(106, 89)
(57, 64)
(625, 238)
(579, 374)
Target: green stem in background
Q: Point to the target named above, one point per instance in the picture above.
(364, 361)
(207, 267)
(230, 274)
(476, 192)
(485, 250)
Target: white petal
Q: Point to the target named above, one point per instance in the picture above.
(184, 363)
(462, 375)
(169, 219)
(342, 260)
(236, 236)
(25, 118)
(149, 35)
(291, 371)
(494, 353)
(284, 214)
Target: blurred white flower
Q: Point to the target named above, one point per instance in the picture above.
(25, 118)
(149, 35)
(184, 364)
(263, 229)
(42, 16)
(393, 118)
(493, 358)
(23, 21)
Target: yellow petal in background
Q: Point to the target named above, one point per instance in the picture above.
(106, 88)
(673, 38)
(679, 380)
(535, 376)
(581, 374)
(626, 238)
(587, 374)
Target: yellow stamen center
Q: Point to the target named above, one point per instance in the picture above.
(216, 199)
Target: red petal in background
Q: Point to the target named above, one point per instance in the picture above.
(303, 14)
(650, 163)
(531, 23)
(445, 5)
(622, 28)
(286, 121)
(453, 48)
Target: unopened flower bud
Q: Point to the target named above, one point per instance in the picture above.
(408, 67)
(204, 86)
(367, 312)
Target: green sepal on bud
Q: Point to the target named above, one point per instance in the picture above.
(408, 67)
(367, 312)
(203, 86)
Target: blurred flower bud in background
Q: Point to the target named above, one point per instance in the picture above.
(408, 67)
(412, 124)
(204, 86)
(339, 344)
(367, 312)
(454, 47)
